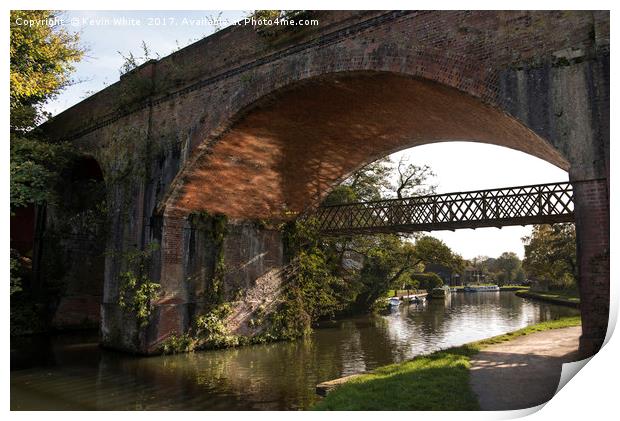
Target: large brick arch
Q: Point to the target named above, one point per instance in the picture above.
(281, 155)
(259, 127)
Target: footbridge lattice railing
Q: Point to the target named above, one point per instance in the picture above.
(523, 205)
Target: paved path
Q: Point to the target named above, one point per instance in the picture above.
(524, 372)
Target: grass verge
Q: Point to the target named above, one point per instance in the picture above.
(568, 298)
(514, 287)
(434, 382)
(501, 288)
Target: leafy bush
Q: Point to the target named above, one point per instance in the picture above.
(426, 281)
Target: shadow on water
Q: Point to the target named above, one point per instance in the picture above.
(72, 372)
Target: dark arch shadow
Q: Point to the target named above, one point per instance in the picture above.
(73, 246)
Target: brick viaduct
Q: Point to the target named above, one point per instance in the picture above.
(259, 128)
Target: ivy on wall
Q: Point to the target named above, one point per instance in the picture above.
(136, 290)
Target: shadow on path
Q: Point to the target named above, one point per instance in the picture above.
(524, 372)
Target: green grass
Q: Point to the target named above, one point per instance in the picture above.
(567, 296)
(434, 382)
(502, 287)
(400, 292)
(513, 287)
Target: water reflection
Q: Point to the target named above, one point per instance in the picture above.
(72, 372)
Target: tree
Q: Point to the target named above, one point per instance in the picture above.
(480, 263)
(340, 195)
(412, 179)
(388, 260)
(426, 281)
(386, 263)
(368, 183)
(506, 267)
(35, 169)
(42, 57)
(383, 179)
(316, 286)
(432, 250)
(520, 278)
(550, 255)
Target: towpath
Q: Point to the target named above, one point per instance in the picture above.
(523, 372)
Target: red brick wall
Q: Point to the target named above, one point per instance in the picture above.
(592, 224)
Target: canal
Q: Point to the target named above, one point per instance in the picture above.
(70, 371)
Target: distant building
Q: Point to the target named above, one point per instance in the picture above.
(447, 275)
(472, 275)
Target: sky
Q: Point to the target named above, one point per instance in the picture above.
(106, 33)
(464, 166)
(459, 166)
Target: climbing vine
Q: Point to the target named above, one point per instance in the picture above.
(208, 329)
(207, 332)
(137, 291)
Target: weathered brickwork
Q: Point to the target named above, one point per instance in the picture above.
(592, 222)
(262, 128)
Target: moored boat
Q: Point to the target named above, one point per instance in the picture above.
(481, 288)
(394, 302)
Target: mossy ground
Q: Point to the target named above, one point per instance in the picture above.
(434, 382)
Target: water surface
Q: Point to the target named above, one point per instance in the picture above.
(72, 372)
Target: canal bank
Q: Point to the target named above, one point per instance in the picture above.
(487, 374)
(73, 372)
(558, 298)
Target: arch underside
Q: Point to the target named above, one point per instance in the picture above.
(291, 148)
